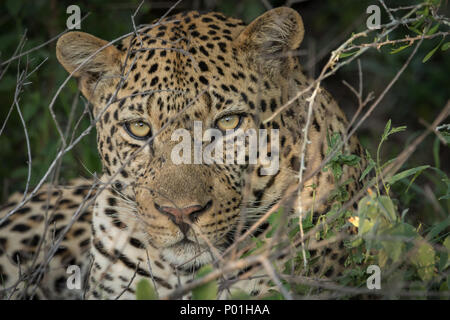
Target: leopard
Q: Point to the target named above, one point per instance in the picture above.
(149, 216)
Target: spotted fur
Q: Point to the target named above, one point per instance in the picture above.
(155, 219)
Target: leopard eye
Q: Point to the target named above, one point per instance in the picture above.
(138, 129)
(229, 122)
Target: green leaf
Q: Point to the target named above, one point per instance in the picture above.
(433, 29)
(424, 261)
(274, 221)
(371, 164)
(415, 30)
(347, 54)
(207, 291)
(445, 46)
(413, 179)
(387, 128)
(350, 160)
(438, 228)
(273, 295)
(382, 258)
(394, 51)
(406, 173)
(145, 291)
(393, 249)
(446, 243)
(337, 170)
(444, 261)
(396, 129)
(430, 54)
(388, 208)
(239, 294)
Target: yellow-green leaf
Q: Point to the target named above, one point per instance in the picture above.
(424, 261)
(444, 261)
(239, 294)
(446, 243)
(207, 291)
(382, 258)
(145, 291)
(400, 49)
(388, 208)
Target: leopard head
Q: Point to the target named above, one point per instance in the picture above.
(150, 94)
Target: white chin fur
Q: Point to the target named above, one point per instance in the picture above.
(183, 254)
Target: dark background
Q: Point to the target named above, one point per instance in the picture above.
(420, 93)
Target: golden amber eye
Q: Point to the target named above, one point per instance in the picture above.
(138, 129)
(229, 122)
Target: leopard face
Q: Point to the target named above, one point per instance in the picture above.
(188, 69)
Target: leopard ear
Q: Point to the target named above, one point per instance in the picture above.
(269, 40)
(92, 60)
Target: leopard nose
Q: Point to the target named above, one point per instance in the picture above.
(182, 217)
